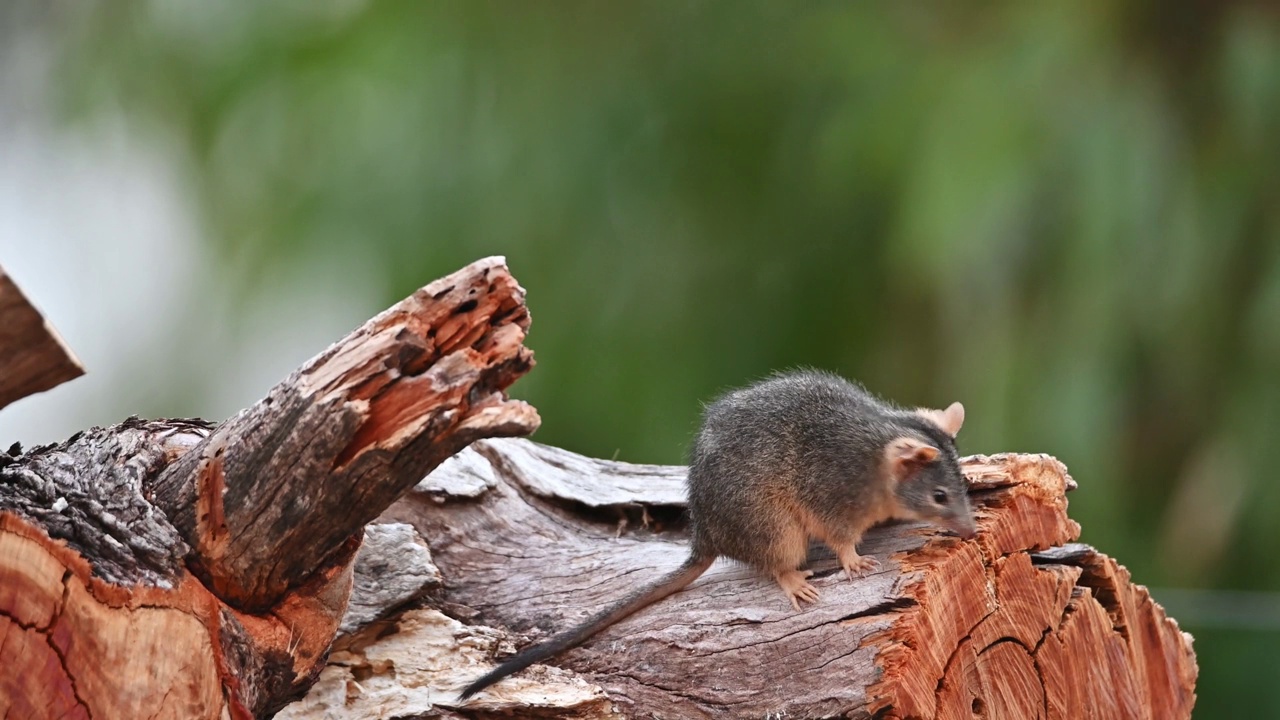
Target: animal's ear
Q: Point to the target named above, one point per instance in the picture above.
(905, 455)
(948, 420)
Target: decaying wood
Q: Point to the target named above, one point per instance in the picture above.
(174, 569)
(1018, 623)
(33, 357)
(274, 491)
(393, 568)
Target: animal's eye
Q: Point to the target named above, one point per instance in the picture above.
(940, 496)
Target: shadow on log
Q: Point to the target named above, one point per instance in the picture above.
(526, 540)
(175, 569)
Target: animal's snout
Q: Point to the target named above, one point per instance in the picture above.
(965, 527)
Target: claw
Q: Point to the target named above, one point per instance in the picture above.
(857, 566)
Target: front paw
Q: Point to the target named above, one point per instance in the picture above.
(857, 566)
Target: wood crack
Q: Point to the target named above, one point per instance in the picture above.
(71, 678)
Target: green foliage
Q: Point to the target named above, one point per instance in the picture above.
(1065, 215)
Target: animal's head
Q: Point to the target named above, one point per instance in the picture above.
(924, 467)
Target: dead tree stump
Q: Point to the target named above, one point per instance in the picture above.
(525, 540)
(176, 569)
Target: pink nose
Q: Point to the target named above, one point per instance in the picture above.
(965, 528)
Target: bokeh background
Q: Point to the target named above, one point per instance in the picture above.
(1066, 215)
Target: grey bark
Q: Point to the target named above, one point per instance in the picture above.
(529, 540)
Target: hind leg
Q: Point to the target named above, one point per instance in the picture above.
(777, 543)
(788, 553)
(795, 583)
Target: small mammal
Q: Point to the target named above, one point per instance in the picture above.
(800, 455)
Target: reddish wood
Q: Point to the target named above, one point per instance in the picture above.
(33, 357)
(270, 494)
(174, 569)
(1019, 623)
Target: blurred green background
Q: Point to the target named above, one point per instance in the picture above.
(1066, 215)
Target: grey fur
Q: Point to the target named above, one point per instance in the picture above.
(819, 439)
(799, 455)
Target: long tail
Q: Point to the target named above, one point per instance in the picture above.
(688, 572)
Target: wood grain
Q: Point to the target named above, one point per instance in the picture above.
(273, 492)
(181, 569)
(1018, 623)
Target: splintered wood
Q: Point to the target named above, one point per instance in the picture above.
(270, 494)
(178, 569)
(1018, 623)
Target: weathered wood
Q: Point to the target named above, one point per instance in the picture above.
(270, 494)
(175, 569)
(99, 536)
(1018, 623)
(393, 568)
(33, 357)
(93, 577)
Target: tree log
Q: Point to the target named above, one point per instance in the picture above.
(174, 569)
(526, 540)
(33, 357)
(179, 570)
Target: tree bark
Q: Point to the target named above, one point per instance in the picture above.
(270, 494)
(526, 540)
(176, 569)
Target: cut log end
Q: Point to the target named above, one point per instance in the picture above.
(172, 569)
(91, 649)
